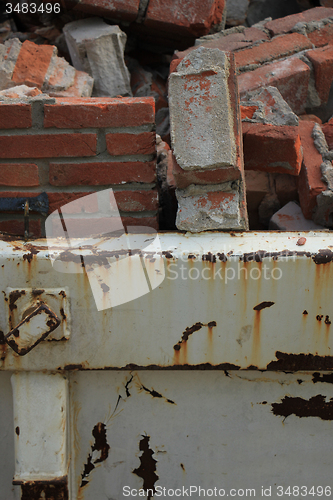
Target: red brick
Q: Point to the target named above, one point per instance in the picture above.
(118, 10)
(140, 221)
(310, 183)
(286, 188)
(32, 64)
(328, 131)
(257, 186)
(15, 115)
(272, 148)
(18, 174)
(136, 201)
(99, 174)
(216, 176)
(47, 145)
(99, 112)
(291, 77)
(193, 18)
(248, 111)
(286, 24)
(310, 118)
(58, 200)
(322, 36)
(16, 227)
(232, 42)
(85, 228)
(131, 144)
(322, 60)
(268, 51)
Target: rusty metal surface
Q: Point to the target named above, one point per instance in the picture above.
(241, 301)
(233, 429)
(34, 328)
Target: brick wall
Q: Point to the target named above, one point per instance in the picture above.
(69, 148)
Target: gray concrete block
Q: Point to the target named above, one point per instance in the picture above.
(9, 52)
(202, 208)
(323, 213)
(98, 49)
(201, 115)
(291, 218)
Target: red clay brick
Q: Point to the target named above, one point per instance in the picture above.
(32, 64)
(257, 186)
(85, 228)
(136, 201)
(286, 188)
(58, 200)
(328, 131)
(15, 115)
(309, 182)
(99, 112)
(131, 144)
(286, 24)
(119, 10)
(140, 221)
(99, 174)
(322, 60)
(322, 36)
(185, 178)
(291, 77)
(18, 174)
(272, 148)
(310, 118)
(248, 111)
(232, 42)
(268, 51)
(192, 18)
(16, 227)
(47, 146)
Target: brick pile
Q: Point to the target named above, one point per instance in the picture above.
(285, 73)
(243, 115)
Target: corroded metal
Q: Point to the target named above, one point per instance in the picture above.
(245, 300)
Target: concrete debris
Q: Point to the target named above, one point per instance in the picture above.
(98, 49)
(270, 108)
(291, 218)
(326, 169)
(319, 139)
(200, 209)
(21, 91)
(269, 205)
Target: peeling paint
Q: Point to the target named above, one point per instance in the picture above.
(147, 468)
(325, 377)
(296, 362)
(189, 330)
(314, 407)
(48, 492)
(156, 394)
(263, 305)
(101, 445)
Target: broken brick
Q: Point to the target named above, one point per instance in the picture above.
(286, 24)
(310, 182)
(291, 77)
(272, 148)
(322, 60)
